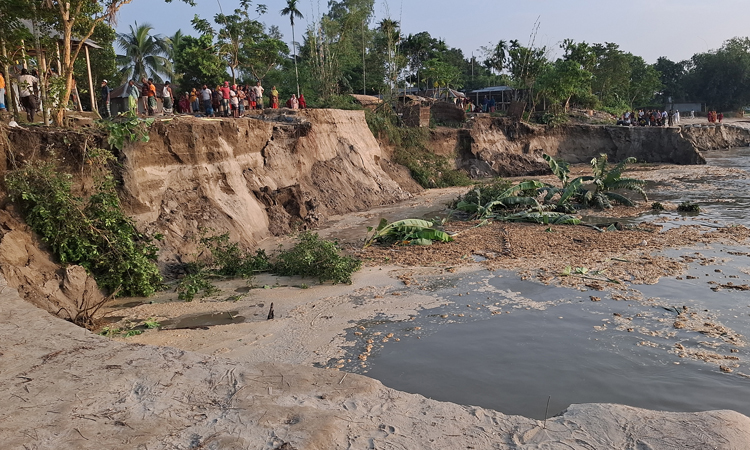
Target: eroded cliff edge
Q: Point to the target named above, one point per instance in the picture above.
(500, 147)
(256, 177)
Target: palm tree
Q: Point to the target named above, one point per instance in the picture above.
(292, 11)
(173, 43)
(145, 55)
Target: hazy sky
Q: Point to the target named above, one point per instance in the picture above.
(650, 28)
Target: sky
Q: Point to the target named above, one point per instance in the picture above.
(676, 29)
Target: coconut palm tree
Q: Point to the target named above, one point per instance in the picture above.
(173, 43)
(292, 11)
(145, 56)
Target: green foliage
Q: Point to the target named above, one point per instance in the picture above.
(427, 168)
(656, 206)
(606, 180)
(520, 196)
(125, 129)
(151, 323)
(231, 261)
(198, 64)
(688, 207)
(546, 218)
(485, 192)
(144, 55)
(318, 258)
(407, 231)
(92, 232)
(554, 119)
(192, 284)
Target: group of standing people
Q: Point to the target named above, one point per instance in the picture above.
(233, 101)
(713, 117)
(222, 101)
(650, 118)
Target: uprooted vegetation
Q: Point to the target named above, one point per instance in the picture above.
(533, 201)
(311, 257)
(528, 201)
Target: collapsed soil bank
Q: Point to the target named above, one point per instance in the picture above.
(489, 146)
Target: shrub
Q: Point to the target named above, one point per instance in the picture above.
(94, 232)
(688, 207)
(318, 258)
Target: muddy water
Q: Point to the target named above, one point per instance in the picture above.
(510, 344)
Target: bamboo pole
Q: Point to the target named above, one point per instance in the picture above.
(42, 72)
(10, 94)
(91, 81)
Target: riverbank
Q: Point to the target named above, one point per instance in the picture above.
(191, 381)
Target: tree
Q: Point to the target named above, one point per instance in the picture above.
(671, 75)
(197, 63)
(265, 52)
(76, 20)
(441, 74)
(644, 82)
(721, 77)
(145, 56)
(390, 33)
(560, 81)
(495, 56)
(292, 11)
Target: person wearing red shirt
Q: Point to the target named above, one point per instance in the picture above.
(225, 96)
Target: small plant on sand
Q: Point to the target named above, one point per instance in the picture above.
(151, 323)
(318, 258)
(688, 207)
(193, 283)
(656, 206)
(232, 261)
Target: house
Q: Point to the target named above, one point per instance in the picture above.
(118, 99)
(503, 96)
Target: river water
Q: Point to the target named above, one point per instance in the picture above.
(512, 345)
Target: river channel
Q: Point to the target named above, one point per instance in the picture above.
(513, 345)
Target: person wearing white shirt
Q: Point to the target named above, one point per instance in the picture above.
(27, 86)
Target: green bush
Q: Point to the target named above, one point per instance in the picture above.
(484, 193)
(317, 258)
(231, 261)
(94, 232)
(688, 207)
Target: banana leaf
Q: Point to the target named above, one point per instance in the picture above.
(546, 218)
(560, 168)
(407, 230)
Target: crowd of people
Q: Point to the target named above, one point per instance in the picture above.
(650, 118)
(224, 100)
(713, 117)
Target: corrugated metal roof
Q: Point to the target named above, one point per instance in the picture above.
(488, 90)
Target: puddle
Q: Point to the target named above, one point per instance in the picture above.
(202, 321)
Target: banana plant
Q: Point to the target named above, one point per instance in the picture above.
(406, 231)
(508, 199)
(607, 180)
